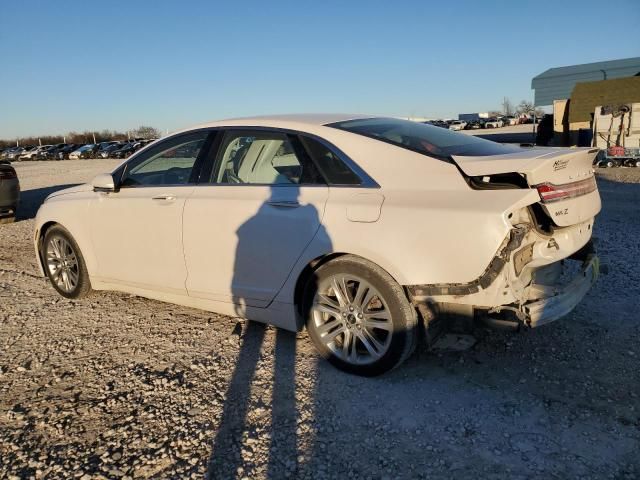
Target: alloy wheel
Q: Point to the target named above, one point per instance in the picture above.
(352, 319)
(62, 263)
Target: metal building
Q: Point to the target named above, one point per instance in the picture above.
(557, 83)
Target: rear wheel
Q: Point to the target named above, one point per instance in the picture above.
(359, 318)
(64, 264)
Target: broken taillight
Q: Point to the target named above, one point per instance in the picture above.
(552, 193)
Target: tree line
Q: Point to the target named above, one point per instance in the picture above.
(84, 137)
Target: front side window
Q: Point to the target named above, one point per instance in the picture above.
(422, 138)
(263, 158)
(168, 163)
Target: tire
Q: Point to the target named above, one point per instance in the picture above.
(64, 264)
(333, 319)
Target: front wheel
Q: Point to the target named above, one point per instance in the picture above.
(358, 317)
(64, 264)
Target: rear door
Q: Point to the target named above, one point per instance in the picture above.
(251, 217)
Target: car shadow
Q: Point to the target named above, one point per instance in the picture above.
(30, 200)
(226, 454)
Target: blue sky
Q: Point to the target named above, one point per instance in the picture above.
(82, 65)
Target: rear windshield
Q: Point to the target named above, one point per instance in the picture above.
(426, 139)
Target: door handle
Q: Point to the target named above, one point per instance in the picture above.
(284, 203)
(166, 198)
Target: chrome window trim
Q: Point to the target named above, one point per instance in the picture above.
(366, 180)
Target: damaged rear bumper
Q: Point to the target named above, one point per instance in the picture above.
(550, 285)
(558, 300)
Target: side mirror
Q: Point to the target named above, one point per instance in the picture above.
(103, 183)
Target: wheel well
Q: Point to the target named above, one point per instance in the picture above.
(306, 275)
(43, 231)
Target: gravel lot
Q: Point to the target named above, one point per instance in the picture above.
(117, 386)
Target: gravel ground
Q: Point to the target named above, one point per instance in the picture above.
(116, 386)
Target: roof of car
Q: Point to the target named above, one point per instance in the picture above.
(287, 120)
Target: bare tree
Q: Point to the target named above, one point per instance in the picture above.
(507, 107)
(146, 132)
(525, 107)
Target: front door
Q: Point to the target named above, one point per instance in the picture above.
(137, 231)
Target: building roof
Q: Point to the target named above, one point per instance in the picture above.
(587, 96)
(557, 83)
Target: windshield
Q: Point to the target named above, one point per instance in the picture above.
(423, 138)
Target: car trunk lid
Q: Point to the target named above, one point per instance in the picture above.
(563, 177)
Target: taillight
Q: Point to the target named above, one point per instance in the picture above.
(7, 173)
(550, 193)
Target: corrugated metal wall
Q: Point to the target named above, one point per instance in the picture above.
(558, 83)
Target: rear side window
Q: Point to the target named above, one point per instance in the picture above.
(422, 138)
(333, 169)
(263, 158)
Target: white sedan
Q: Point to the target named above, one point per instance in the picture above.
(457, 125)
(363, 229)
(493, 123)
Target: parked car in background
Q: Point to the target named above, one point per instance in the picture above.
(9, 153)
(438, 123)
(33, 153)
(509, 120)
(457, 125)
(126, 150)
(291, 200)
(493, 122)
(14, 153)
(4, 153)
(49, 152)
(105, 152)
(63, 153)
(25, 153)
(105, 148)
(9, 192)
(86, 151)
(474, 125)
